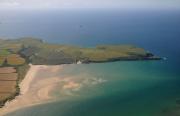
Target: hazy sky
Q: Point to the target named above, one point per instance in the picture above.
(53, 4)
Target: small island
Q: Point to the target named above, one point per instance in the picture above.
(17, 54)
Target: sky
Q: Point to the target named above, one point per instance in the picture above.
(69, 4)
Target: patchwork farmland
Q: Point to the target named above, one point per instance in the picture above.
(8, 83)
(13, 68)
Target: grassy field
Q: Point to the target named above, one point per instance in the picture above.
(46, 53)
(38, 52)
(2, 59)
(3, 54)
(14, 59)
(10, 57)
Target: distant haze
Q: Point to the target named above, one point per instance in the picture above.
(79, 4)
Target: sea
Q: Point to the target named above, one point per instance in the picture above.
(124, 88)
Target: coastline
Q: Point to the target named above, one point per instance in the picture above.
(33, 90)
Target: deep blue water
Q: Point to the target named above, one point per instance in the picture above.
(157, 31)
(132, 88)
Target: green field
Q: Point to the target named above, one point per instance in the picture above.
(14, 59)
(38, 52)
(10, 58)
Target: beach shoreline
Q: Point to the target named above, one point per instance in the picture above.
(33, 90)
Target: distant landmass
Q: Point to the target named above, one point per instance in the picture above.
(17, 54)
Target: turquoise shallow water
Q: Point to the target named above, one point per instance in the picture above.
(137, 88)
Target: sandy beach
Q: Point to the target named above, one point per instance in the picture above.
(40, 84)
(34, 89)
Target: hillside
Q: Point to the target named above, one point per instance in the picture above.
(38, 52)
